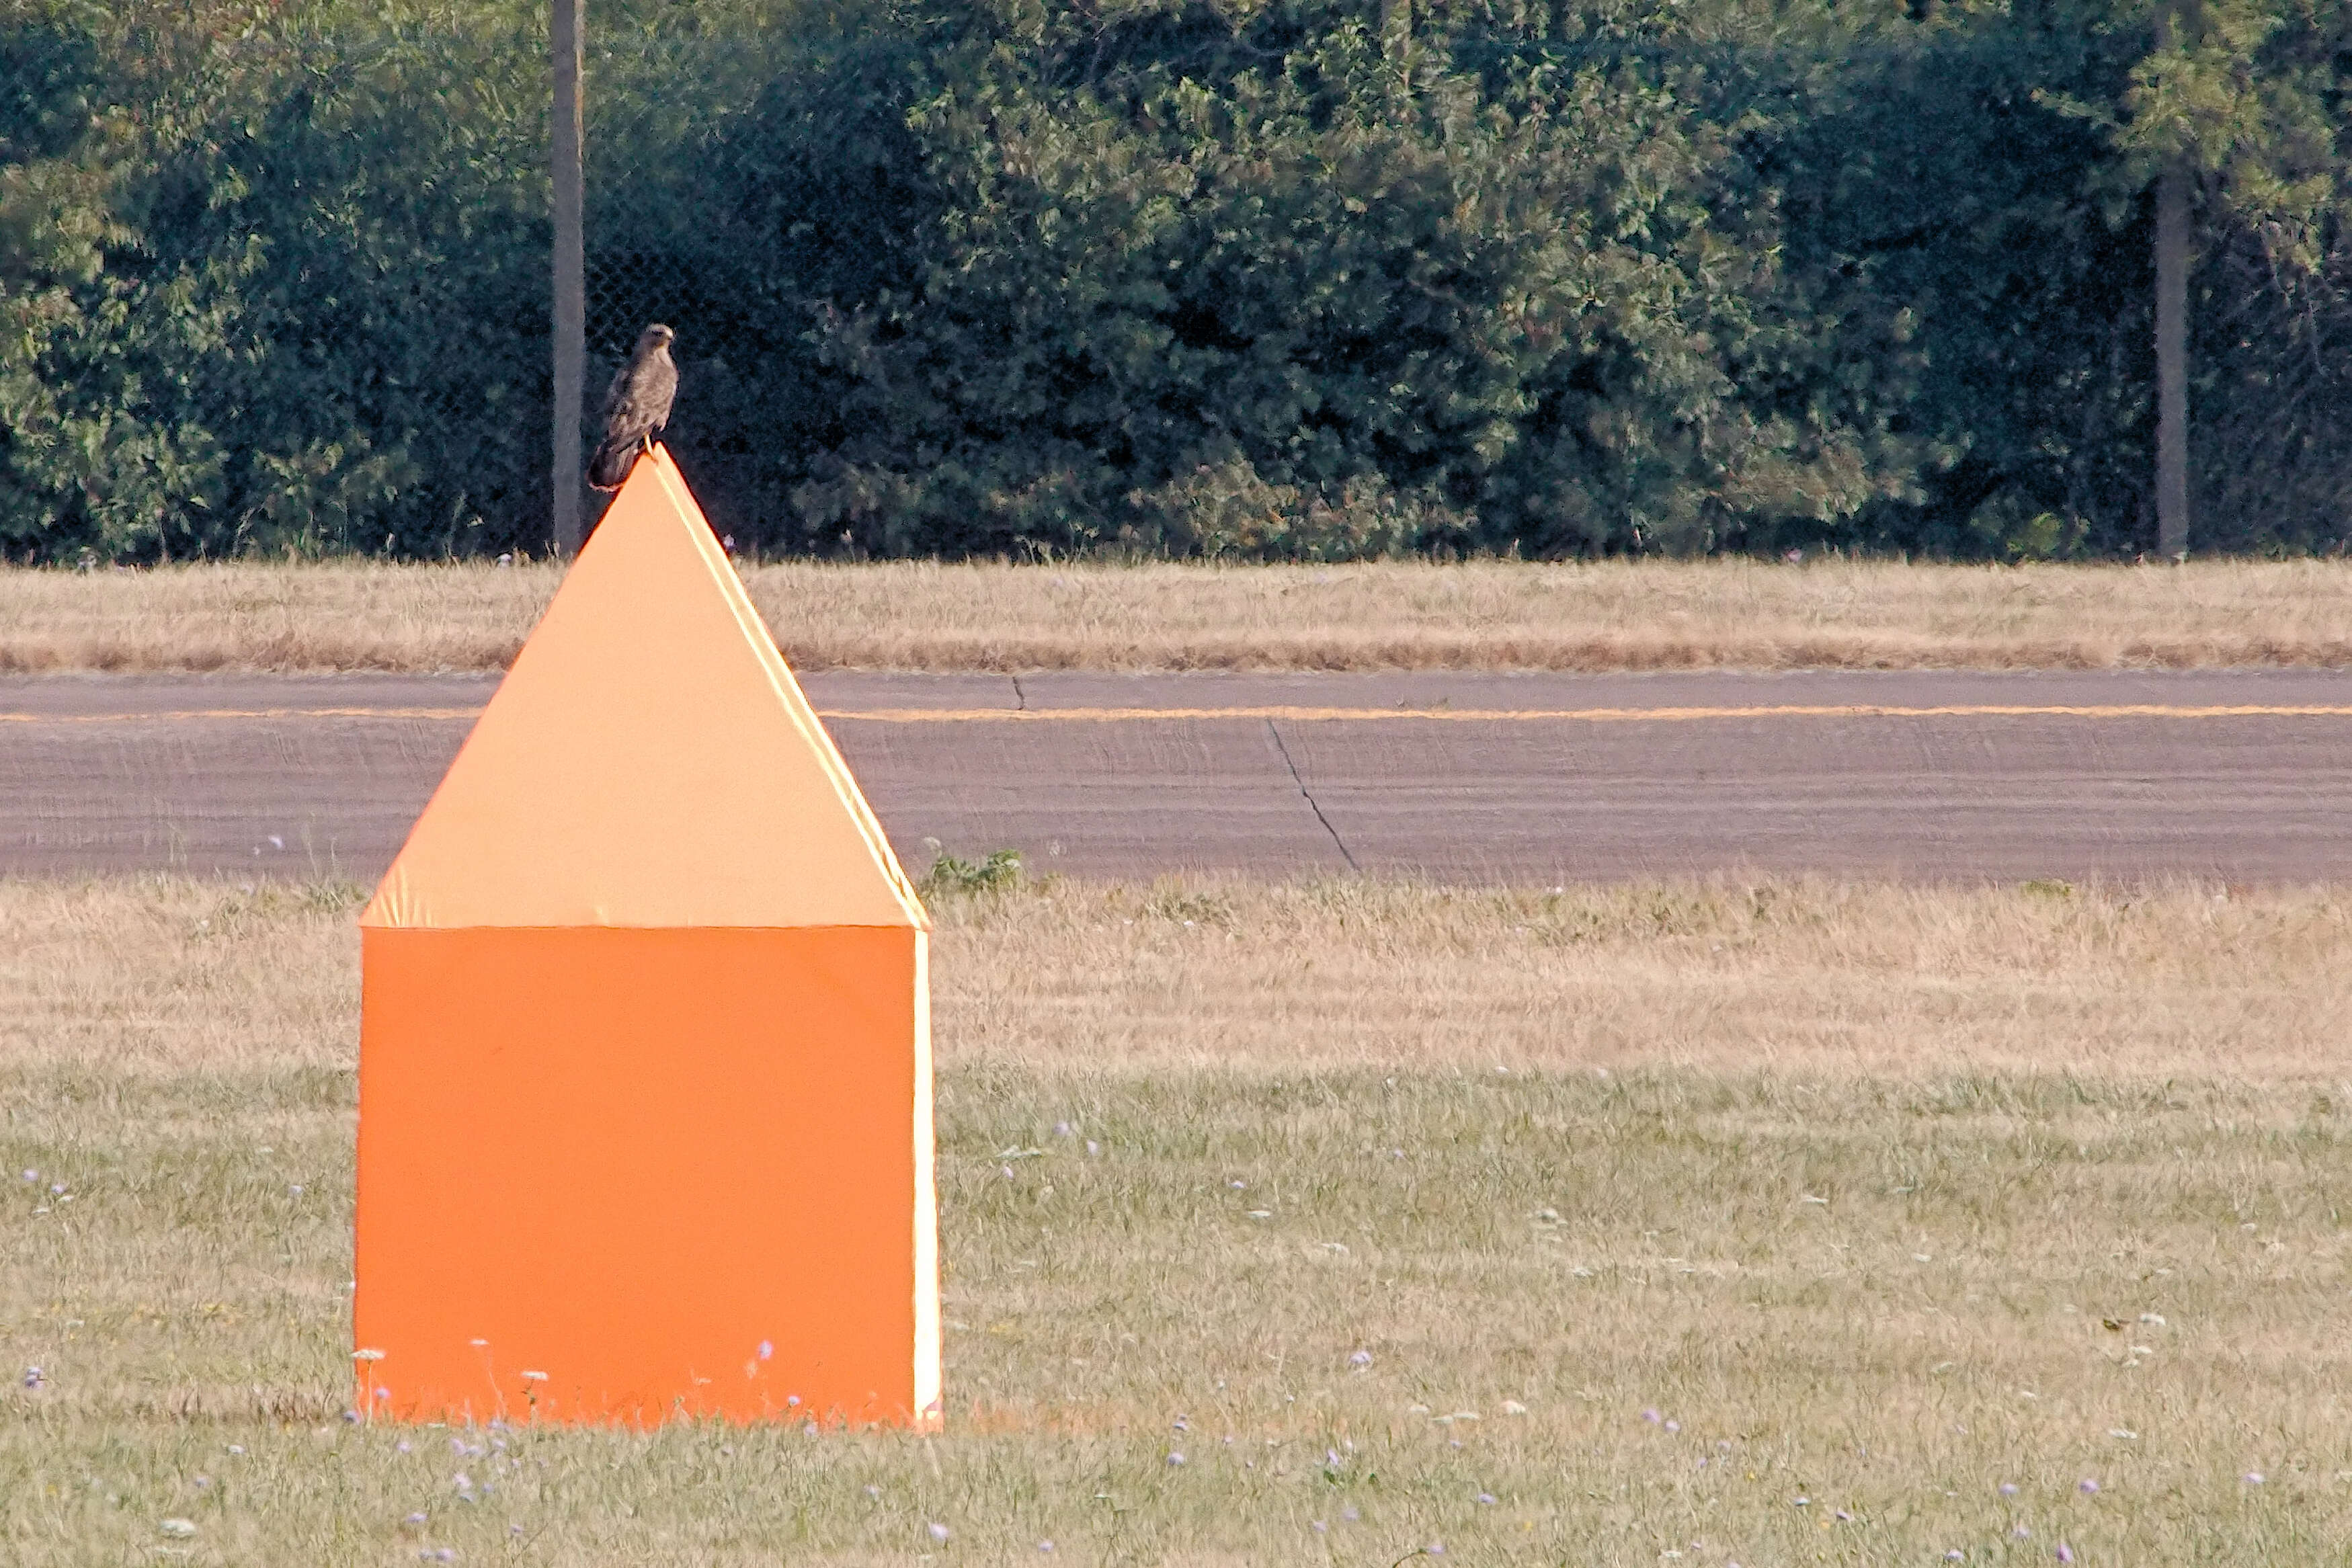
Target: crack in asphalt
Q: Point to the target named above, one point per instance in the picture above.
(1345, 852)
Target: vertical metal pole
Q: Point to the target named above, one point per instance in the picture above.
(571, 318)
(2172, 325)
(2172, 363)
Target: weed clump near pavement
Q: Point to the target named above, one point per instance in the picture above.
(949, 877)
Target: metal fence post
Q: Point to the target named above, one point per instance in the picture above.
(571, 313)
(2173, 260)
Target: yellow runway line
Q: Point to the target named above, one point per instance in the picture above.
(1578, 716)
(1297, 714)
(240, 713)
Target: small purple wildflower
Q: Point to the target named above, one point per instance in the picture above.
(2065, 1553)
(2253, 1478)
(1361, 1359)
(939, 1531)
(1651, 1416)
(1487, 1498)
(2008, 1489)
(2087, 1486)
(1174, 1458)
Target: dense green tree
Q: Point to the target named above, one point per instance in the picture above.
(2240, 107)
(276, 281)
(1257, 283)
(1271, 277)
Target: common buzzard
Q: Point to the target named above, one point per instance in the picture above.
(635, 408)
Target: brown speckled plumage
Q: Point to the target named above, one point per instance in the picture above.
(636, 408)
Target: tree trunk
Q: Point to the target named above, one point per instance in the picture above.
(1396, 27)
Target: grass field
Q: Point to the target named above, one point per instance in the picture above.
(1781, 1223)
(1609, 615)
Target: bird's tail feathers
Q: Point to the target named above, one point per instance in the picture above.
(610, 468)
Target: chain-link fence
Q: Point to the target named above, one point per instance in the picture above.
(290, 295)
(678, 230)
(280, 281)
(295, 291)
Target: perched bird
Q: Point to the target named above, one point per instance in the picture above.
(635, 408)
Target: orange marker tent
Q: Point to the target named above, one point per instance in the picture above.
(645, 1054)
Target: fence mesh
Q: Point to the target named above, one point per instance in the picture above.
(330, 328)
(672, 105)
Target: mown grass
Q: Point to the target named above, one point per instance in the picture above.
(1821, 1310)
(1489, 616)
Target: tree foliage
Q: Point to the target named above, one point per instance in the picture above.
(270, 281)
(1298, 278)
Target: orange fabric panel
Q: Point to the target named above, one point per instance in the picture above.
(648, 762)
(630, 1159)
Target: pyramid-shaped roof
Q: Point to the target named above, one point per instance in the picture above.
(648, 762)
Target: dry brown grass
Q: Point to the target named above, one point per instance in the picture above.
(1611, 615)
(1895, 1215)
(1798, 976)
(1805, 977)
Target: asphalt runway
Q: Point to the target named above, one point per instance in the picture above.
(2242, 776)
